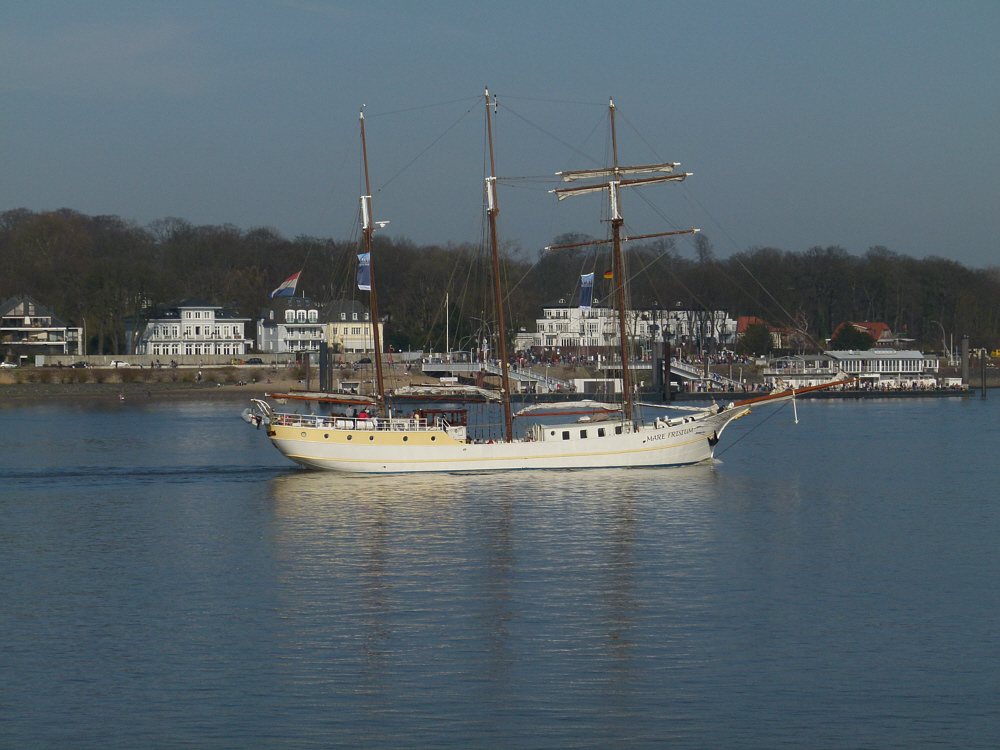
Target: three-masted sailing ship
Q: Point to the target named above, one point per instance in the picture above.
(441, 440)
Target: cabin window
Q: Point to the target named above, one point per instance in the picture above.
(600, 432)
(565, 434)
(583, 434)
(618, 430)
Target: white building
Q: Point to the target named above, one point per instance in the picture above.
(289, 325)
(191, 327)
(875, 367)
(297, 324)
(567, 328)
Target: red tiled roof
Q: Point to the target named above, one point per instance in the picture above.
(745, 321)
(878, 331)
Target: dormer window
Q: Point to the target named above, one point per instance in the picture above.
(289, 316)
(313, 316)
(354, 316)
(343, 316)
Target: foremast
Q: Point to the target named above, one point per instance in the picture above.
(616, 175)
(492, 211)
(368, 229)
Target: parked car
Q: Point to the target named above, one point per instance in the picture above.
(8, 365)
(118, 363)
(363, 361)
(255, 361)
(79, 365)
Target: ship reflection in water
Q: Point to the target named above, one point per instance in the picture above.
(488, 589)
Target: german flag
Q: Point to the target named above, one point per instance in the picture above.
(609, 274)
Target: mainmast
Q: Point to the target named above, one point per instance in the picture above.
(616, 179)
(492, 210)
(368, 229)
(618, 269)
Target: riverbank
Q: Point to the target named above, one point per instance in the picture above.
(217, 383)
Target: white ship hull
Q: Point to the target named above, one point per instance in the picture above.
(400, 445)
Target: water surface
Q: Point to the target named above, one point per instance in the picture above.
(168, 579)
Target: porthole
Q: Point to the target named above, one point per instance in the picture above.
(302, 434)
(350, 437)
(433, 438)
(371, 437)
(326, 436)
(405, 438)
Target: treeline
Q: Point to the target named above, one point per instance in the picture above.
(100, 269)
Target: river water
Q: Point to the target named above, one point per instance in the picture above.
(167, 579)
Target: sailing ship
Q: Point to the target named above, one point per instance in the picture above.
(438, 438)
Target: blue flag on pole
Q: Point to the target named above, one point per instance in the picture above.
(586, 291)
(364, 272)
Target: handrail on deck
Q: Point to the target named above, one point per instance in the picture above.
(377, 424)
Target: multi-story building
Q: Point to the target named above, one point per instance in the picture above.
(297, 324)
(349, 326)
(27, 328)
(565, 327)
(875, 367)
(190, 327)
(289, 325)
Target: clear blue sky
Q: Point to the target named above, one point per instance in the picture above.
(804, 123)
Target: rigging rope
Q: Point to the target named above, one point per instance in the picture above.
(756, 427)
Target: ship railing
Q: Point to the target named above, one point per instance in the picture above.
(379, 424)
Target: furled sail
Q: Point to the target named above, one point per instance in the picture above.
(584, 406)
(583, 189)
(453, 392)
(593, 174)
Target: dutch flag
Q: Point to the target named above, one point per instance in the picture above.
(287, 288)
